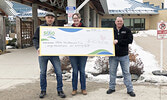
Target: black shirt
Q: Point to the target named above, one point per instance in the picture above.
(124, 37)
(36, 36)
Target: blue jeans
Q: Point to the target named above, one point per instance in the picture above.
(124, 62)
(43, 61)
(78, 64)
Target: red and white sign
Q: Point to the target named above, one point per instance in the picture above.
(162, 30)
(70, 11)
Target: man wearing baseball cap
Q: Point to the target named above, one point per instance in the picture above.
(50, 14)
(43, 60)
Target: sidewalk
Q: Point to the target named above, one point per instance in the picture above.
(19, 66)
(19, 80)
(96, 91)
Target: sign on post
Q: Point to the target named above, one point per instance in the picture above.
(161, 34)
(70, 11)
(162, 30)
(70, 41)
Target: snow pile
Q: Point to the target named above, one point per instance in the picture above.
(95, 65)
(150, 64)
(146, 33)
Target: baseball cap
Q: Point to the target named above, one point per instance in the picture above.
(50, 14)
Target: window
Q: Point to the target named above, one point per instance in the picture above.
(108, 22)
(127, 23)
(137, 24)
(131, 23)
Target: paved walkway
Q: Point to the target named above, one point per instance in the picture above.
(19, 80)
(19, 66)
(96, 91)
(152, 45)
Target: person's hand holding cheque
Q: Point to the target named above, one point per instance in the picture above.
(115, 42)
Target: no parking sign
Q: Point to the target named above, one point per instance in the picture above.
(161, 34)
(162, 30)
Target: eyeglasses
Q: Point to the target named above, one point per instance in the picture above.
(75, 18)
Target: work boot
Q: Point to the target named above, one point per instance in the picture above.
(61, 94)
(84, 92)
(132, 94)
(109, 91)
(42, 94)
(74, 92)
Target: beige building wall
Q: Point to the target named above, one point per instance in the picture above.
(157, 18)
(155, 2)
(150, 20)
(127, 16)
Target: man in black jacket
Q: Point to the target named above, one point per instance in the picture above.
(43, 60)
(123, 37)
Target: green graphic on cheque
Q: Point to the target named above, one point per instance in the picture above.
(101, 52)
(44, 40)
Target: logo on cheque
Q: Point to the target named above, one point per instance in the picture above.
(49, 34)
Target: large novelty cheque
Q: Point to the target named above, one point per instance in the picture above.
(76, 41)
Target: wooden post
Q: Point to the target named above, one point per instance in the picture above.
(35, 15)
(56, 21)
(86, 15)
(97, 19)
(18, 32)
(2, 34)
(94, 18)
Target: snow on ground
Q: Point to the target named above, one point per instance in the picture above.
(150, 64)
(146, 33)
(90, 66)
(9, 47)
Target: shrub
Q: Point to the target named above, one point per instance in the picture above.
(136, 65)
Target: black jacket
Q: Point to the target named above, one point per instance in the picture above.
(36, 36)
(124, 37)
